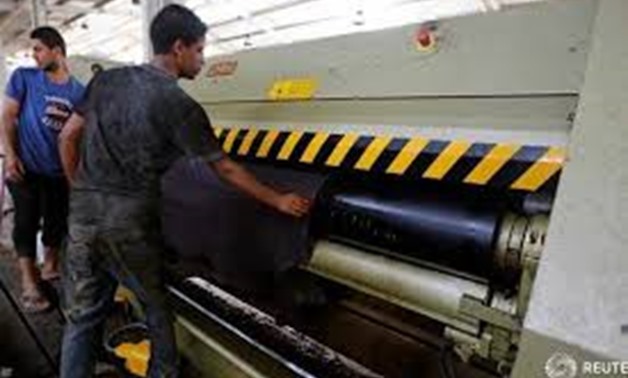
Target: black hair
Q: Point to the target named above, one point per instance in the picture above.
(172, 23)
(50, 37)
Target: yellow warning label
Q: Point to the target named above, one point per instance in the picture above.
(293, 89)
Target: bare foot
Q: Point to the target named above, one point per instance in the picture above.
(50, 269)
(33, 301)
(49, 274)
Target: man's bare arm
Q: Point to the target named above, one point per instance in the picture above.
(13, 165)
(238, 176)
(69, 142)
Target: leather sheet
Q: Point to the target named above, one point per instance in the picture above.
(207, 220)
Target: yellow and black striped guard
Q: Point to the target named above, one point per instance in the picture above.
(514, 166)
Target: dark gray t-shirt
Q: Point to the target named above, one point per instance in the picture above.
(138, 123)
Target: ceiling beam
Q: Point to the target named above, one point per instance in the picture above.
(8, 6)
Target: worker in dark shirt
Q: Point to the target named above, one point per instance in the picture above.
(134, 123)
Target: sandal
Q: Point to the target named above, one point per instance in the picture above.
(34, 302)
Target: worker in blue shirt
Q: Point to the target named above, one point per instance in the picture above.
(37, 103)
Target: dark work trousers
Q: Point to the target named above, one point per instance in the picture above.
(38, 198)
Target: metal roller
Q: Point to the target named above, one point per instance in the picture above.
(433, 294)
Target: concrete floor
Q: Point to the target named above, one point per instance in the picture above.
(20, 356)
(18, 349)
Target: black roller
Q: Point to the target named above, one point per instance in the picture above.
(448, 228)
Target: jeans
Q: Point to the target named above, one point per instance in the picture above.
(113, 239)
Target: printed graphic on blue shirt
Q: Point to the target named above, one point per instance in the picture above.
(57, 110)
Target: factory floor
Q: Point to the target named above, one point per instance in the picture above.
(20, 355)
(25, 354)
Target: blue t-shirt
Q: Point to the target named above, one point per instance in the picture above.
(44, 108)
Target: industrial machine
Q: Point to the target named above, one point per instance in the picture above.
(439, 150)
(441, 165)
